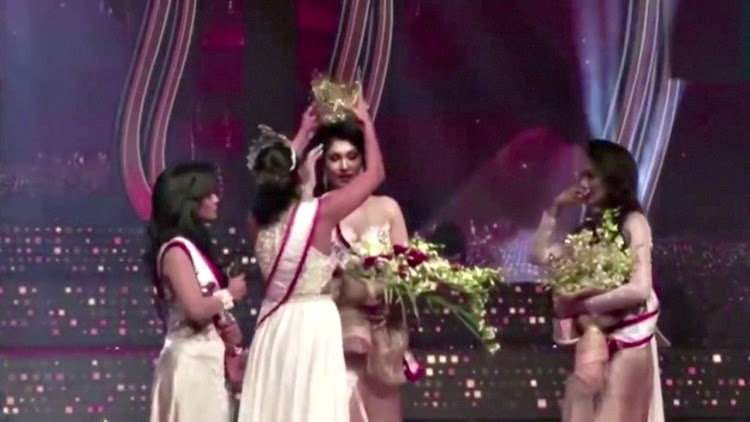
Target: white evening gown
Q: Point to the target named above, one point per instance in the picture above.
(295, 368)
(189, 383)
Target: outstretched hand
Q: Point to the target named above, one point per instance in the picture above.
(307, 128)
(309, 179)
(362, 109)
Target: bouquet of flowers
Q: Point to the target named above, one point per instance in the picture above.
(595, 259)
(417, 273)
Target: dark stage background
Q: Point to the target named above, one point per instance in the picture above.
(481, 112)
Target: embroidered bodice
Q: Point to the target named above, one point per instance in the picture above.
(374, 240)
(315, 275)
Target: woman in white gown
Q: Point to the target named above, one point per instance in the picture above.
(189, 379)
(295, 369)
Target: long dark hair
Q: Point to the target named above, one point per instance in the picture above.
(347, 130)
(175, 201)
(617, 169)
(277, 183)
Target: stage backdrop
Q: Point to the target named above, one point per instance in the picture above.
(482, 108)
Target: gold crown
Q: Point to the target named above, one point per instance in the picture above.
(334, 101)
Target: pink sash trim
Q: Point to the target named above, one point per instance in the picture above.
(637, 330)
(293, 236)
(635, 320)
(207, 286)
(214, 269)
(172, 243)
(342, 238)
(615, 344)
(182, 243)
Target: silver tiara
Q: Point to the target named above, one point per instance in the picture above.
(268, 138)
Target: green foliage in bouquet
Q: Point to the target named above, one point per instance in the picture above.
(416, 274)
(593, 259)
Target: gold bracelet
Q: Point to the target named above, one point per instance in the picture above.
(226, 298)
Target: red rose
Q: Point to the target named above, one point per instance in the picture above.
(415, 257)
(370, 262)
(399, 249)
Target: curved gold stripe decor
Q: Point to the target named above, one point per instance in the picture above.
(356, 26)
(651, 97)
(381, 56)
(643, 58)
(347, 56)
(643, 97)
(134, 98)
(131, 118)
(178, 57)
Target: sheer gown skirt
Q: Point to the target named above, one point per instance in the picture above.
(371, 400)
(627, 395)
(295, 368)
(627, 392)
(189, 382)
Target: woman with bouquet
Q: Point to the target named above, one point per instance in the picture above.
(375, 341)
(614, 326)
(381, 272)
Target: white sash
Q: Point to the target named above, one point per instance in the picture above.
(290, 259)
(633, 331)
(639, 329)
(204, 270)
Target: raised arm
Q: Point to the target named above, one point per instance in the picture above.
(178, 271)
(307, 128)
(543, 248)
(337, 204)
(308, 177)
(639, 287)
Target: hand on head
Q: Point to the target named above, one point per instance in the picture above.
(307, 128)
(309, 179)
